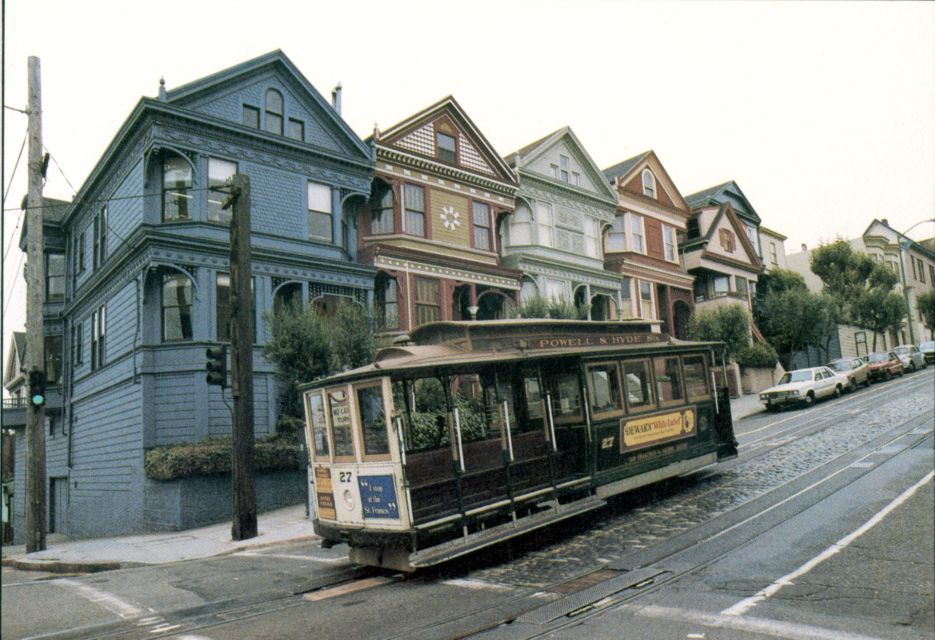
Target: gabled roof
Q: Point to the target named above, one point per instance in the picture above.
(17, 353)
(450, 107)
(533, 151)
(273, 59)
(622, 172)
(623, 168)
(720, 193)
(725, 210)
(53, 211)
(918, 246)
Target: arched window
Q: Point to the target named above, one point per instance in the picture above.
(274, 112)
(176, 188)
(381, 217)
(649, 183)
(176, 307)
(387, 302)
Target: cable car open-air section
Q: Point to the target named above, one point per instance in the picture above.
(465, 434)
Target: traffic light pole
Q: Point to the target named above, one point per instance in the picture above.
(242, 332)
(35, 333)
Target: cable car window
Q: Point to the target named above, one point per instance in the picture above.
(316, 414)
(428, 426)
(534, 410)
(373, 420)
(605, 388)
(341, 423)
(696, 380)
(638, 384)
(476, 417)
(566, 395)
(668, 381)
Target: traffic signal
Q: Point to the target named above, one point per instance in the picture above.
(37, 388)
(217, 366)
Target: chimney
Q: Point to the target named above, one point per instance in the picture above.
(162, 90)
(804, 247)
(885, 222)
(336, 98)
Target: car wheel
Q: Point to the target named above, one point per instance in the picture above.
(888, 375)
(853, 385)
(867, 382)
(837, 392)
(809, 399)
(912, 367)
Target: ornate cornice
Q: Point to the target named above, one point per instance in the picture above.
(387, 154)
(417, 267)
(538, 188)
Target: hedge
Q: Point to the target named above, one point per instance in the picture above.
(756, 355)
(213, 457)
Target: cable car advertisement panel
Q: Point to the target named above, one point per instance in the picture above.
(659, 428)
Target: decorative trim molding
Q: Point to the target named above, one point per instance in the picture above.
(450, 273)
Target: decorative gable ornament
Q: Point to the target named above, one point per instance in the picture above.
(451, 219)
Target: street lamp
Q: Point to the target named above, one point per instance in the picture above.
(904, 244)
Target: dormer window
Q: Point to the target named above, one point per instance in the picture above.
(446, 147)
(274, 112)
(649, 184)
(251, 117)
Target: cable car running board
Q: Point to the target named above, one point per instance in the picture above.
(450, 550)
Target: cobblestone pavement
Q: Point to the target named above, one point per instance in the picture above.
(569, 551)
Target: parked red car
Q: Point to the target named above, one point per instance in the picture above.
(884, 365)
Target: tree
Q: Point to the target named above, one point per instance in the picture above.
(729, 324)
(926, 303)
(829, 317)
(789, 321)
(880, 311)
(306, 345)
(844, 272)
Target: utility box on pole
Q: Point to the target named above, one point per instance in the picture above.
(242, 332)
(35, 331)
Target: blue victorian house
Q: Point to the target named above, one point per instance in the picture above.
(145, 286)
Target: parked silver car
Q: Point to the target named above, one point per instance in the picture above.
(928, 350)
(911, 356)
(804, 386)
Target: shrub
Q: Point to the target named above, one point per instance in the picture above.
(757, 355)
(534, 307)
(213, 457)
(729, 324)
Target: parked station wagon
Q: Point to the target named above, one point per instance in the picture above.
(856, 370)
(804, 386)
(911, 356)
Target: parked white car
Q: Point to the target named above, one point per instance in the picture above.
(804, 386)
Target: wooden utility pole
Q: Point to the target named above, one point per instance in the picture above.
(35, 333)
(242, 332)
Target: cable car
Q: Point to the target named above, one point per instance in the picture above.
(469, 433)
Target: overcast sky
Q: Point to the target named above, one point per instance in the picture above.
(824, 113)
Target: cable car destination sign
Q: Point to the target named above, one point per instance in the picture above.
(595, 340)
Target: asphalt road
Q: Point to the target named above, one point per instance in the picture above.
(822, 528)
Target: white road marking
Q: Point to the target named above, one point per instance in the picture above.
(257, 554)
(107, 600)
(477, 584)
(748, 603)
(778, 628)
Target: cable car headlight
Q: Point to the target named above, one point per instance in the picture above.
(348, 499)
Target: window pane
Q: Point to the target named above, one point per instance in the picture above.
(637, 382)
(341, 423)
(176, 308)
(296, 129)
(446, 147)
(53, 359)
(251, 117)
(319, 197)
(605, 388)
(274, 101)
(223, 306)
(544, 220)
(636, 230)
(319, 225)
(668, 382)
(274, 123)
(176, 185)
(382, 216)
(373, 421)
(414, 200)
(219, 172)
(565, 394)
(316, 412)
(521, 227)
(481, 218)
(696, 382)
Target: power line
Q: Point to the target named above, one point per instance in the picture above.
(12, 237)
(112, 199)
(15, 166)
(59, 167)
(13, 286)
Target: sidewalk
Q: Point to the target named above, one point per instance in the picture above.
(102, 554)
(275, 527)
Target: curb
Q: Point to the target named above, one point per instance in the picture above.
(95, 566)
